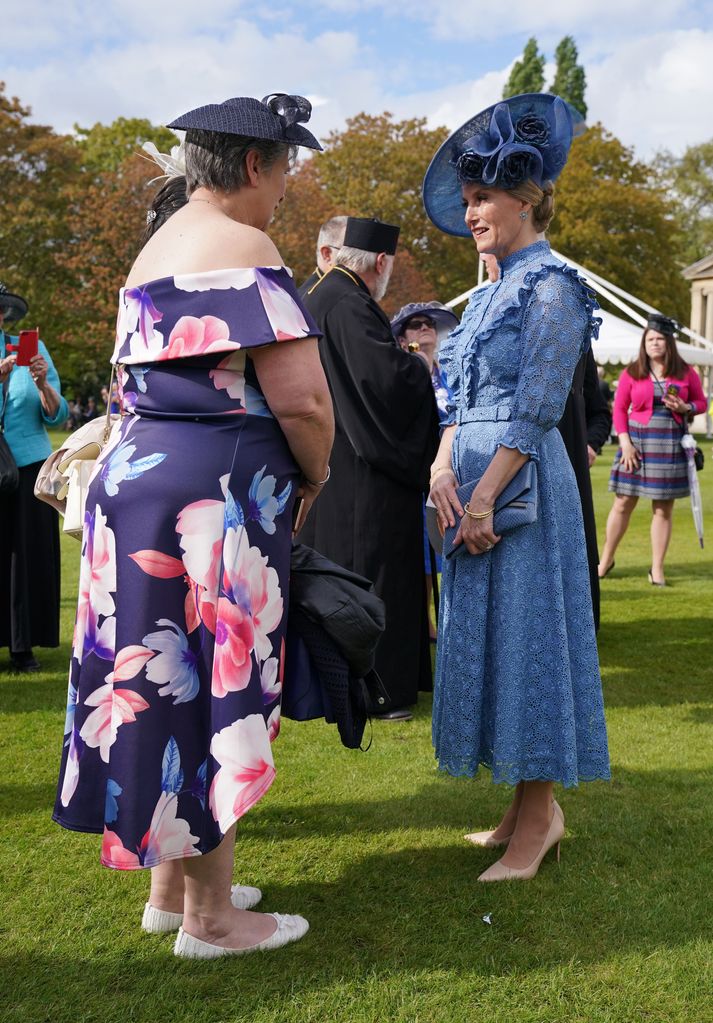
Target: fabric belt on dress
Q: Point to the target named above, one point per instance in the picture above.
(483, 414)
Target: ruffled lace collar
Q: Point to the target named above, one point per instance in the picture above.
(539, 248)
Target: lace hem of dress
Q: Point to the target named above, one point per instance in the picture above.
(505, 774)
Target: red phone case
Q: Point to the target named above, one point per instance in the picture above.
(27, 348)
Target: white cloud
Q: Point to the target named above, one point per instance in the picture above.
(95, 62)
(656, 91)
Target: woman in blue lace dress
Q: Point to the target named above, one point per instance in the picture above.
(178, 653)
(517, 678)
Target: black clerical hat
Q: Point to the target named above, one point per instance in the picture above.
(276, 117)
(663, 324)
(371, 235)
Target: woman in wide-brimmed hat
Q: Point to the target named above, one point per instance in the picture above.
(179, 645)
(29, 529)
(517, 679)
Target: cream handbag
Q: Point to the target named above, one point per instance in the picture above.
(64, 477)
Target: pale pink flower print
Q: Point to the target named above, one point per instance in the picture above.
(71, 771)
(200, 528)
(114, 707)
(115, 855)
(232, 657)
(229, 375)
(254, 586)
(246, 769)
(169, 836)
(194, 335)
(285, 316)
(97, 584)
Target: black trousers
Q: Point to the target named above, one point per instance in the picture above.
(29, 567)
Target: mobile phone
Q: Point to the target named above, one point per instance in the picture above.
(298, 514)
(27, 347)
(672, 390)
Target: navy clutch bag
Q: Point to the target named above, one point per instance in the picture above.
(516, 506)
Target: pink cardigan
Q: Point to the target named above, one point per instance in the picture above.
(635, 398)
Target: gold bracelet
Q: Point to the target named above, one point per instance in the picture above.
(437, 472)
(478, 515)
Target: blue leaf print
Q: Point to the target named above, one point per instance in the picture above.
(143, 465)
(139, 372)
(234, 517)
(118, 466)
(71, 708)
(111, 807)
(198, 788)
(283, 498)
(171, 773)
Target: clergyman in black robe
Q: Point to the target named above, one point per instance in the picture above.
(369, 517)
(586, 423)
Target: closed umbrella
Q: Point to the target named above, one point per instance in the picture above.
(689, 447)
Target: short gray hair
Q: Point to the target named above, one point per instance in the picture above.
(358, 260)
(331, 233)
(216, 159)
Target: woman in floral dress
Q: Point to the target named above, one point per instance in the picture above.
(175, 679)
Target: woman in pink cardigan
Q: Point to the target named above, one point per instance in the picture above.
(654, 397)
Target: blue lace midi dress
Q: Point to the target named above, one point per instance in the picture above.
(178, 652)
(517, 684)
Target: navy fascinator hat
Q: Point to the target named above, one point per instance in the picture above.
(278, 118)
(522, 138)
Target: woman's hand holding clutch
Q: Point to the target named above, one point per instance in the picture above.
(443, 494)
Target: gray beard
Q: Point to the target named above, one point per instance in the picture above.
(382, 284)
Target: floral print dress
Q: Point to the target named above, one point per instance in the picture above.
(177, 661)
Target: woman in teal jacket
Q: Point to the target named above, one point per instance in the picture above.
(29, 529)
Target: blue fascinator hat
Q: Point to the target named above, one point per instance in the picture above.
(524, 137)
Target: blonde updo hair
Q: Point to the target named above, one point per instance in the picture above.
(542, 201)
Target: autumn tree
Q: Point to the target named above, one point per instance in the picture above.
(528, 74)
(37, 170)
(570, 80)
(688, 181)
(611, 219)
(375, 167)
(105, 147)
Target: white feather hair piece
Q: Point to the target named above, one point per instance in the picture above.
(172, 164)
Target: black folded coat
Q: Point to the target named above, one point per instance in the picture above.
(335, 622)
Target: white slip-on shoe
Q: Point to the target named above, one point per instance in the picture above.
(289, 928)
(157, 921)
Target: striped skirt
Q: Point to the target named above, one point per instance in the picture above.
(662, 473)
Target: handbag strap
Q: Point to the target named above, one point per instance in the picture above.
(107, 421)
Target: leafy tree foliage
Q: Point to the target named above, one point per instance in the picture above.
(610, 218)
(105, 147)
(528, 74)
(688, 180)
(570, 80)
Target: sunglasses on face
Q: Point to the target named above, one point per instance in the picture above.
(420, 322)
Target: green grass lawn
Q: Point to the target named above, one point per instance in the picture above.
(369, 847)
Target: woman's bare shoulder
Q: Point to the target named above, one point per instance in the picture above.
(185, 245)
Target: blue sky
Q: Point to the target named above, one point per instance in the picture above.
(648, 61)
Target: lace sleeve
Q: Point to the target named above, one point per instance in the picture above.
(556, 330)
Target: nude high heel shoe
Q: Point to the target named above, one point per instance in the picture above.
(485, 840)
(555, 834)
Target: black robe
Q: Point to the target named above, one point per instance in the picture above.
(586, 421)
(370, 516)
(315, 276)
